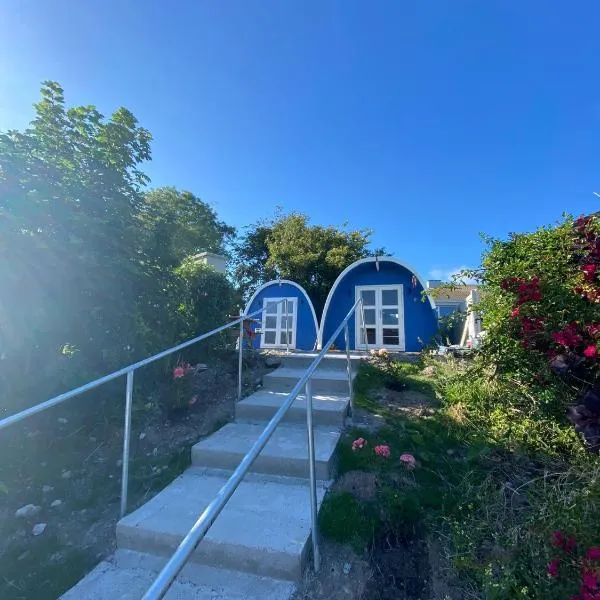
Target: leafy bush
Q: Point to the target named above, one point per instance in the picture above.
(540, 303)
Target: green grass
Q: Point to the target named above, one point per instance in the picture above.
(496, 475)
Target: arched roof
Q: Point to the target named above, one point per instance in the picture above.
(362, 261)
(280, 282)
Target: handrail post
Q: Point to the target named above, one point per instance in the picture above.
(287, 329)
(240, 356)
(364, 324)
(313, 477)
(349, 367)
(126, 442)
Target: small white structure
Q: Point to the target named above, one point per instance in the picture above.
(217, 261)
(472, 328)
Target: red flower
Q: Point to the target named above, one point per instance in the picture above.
(515, 312)
(589, 580)
(557, 539)
(178, 372)
(568, 336)
(591, 351)
(593, 553)
(552, 568)
(589, 272)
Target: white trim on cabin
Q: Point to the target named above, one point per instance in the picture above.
(362, 261)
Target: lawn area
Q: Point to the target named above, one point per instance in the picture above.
(505, 495)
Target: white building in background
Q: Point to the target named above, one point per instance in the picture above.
(217, 261)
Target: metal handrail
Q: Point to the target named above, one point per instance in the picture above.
(129, 371)
(196, 534)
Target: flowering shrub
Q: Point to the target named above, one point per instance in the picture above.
(574, 564)
(359, 444)
(183, 379)
(408, 461)
(541, 310)
(382, 450)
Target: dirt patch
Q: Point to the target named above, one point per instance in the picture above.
(72, 454)
(343, 575)
(401, 569)
(362, 485)
(410, 403)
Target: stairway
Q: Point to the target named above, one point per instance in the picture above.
(259, 545)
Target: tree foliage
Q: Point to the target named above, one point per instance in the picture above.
(88, 261)
(289, 247)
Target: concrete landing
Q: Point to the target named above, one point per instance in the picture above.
(263, 530)
(286, 453)
(334, 361)
(129, 575)
(324, 381)
(261, 406)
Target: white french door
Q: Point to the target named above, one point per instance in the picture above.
(274, 329)
(383, 311)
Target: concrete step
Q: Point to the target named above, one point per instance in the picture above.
(129, 574)
(264, 529)
(334, 361)
(286, 453)
(324, 381)
(261, 406)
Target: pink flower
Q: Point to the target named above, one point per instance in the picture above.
(557, 539)
(552, 568)
(178, 372)
(408, 460)
(515, 312)
(593, 553)
(591, 351)
(589, 272)
(359, 444)
(382, 450)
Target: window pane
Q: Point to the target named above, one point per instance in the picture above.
(391, 337)
(368, 297)
(269, 337)
(290, 321)
(270, 322)
(290, 307)
(370, 336)
(282, 337)
(389, 297)
(369, 316)
(272, 308)
(389, 316)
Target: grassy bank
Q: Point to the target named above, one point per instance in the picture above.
(493, 480)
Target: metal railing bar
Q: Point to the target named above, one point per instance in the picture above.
(313, 478)
(165, 578)
(126, 443)
(38, 408)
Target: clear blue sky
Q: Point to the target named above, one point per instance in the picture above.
(426, 120)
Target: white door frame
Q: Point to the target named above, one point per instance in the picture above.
(293, 305)
(378, 317)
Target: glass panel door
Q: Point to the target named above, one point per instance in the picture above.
(277, 332)
(383, 317)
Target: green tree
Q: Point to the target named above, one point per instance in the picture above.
(290, 248)
(177, 224)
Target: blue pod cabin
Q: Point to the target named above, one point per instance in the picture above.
(302, 326)
(396, 316)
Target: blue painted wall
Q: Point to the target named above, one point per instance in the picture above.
(419, 318)
(306, 332)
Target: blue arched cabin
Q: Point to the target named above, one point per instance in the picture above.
(302, 327)
(396, 316)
